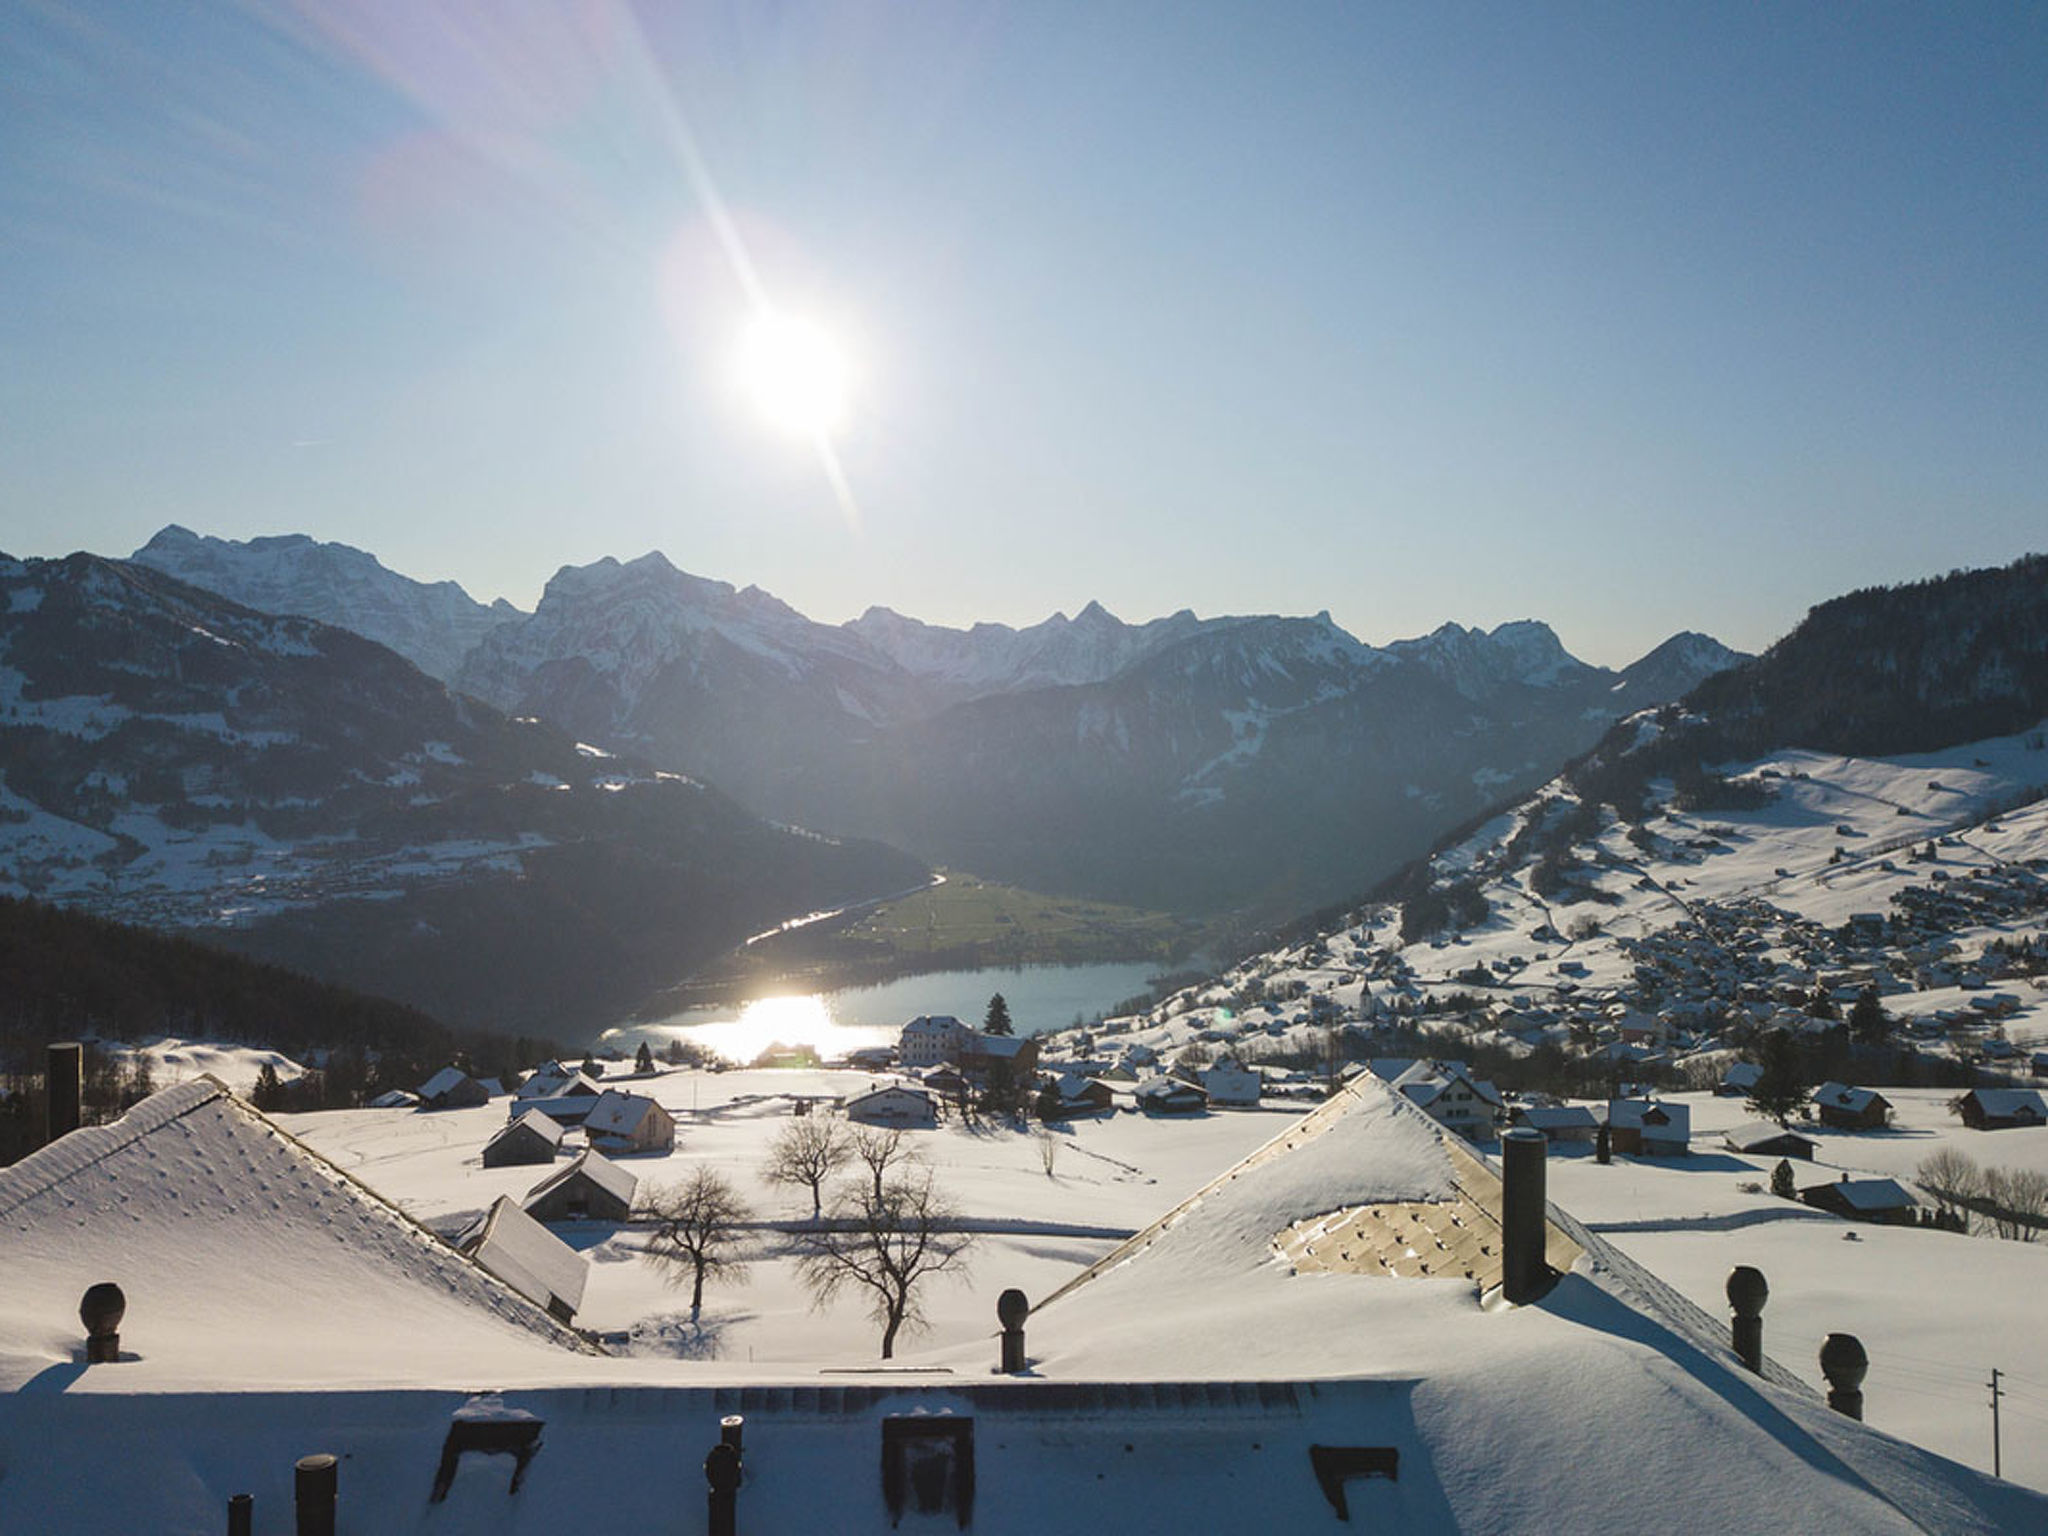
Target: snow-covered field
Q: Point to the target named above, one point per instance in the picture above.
(1936, 1311)
(1109, 1178)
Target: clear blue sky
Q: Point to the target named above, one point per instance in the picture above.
(1629, 317)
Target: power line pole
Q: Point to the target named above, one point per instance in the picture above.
(1996, 1393)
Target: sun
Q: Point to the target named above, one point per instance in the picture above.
(796, 374)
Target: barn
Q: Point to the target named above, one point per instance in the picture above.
(591, 1188)
(532, 1138)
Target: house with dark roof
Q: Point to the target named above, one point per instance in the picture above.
(1739, 1080)
(591, 1188)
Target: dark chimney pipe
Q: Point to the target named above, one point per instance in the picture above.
(1747, 1293)
(316, 1487)
(242, 1515)
(1845, 1364)
(101, 1310)
(65, 1087)
(1524, 1276)
(722, 1475)
(1012, 1307)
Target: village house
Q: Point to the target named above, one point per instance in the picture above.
(453, 1088)
(629, 1122)
(1649, 1127)
(552, 1080)
(1228, 1082)
(1882, 1201)
(1073, 1093)
(893, 1104)
(1739, 1080)
(512, 1246)
(1559, 1122)
(1170, 1096)
(2000, 1109)
(1766, 1138)
(532, 1138)
(930, 1039)
(589, 1189)
(1851, 1109)
(1447, 1092)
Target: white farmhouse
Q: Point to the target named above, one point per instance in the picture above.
(930, 1039)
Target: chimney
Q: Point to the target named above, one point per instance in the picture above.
(1524, 1275)
(65, 1086)
(1747, 1293)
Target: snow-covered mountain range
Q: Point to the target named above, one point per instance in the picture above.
(1148, 762)
(1141, 761)
(173, 758)
(431, 624)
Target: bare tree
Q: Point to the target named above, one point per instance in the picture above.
(698, 1225)
(2016, 1199)
(879, 1151)
(1048, 1148)
(1952, 1176)
(806, 1153)
(885, 1238)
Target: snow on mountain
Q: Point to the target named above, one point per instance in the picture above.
(171, 758)
(1057, 652)
(433, 625)
(1676, 667)
(1478, 663)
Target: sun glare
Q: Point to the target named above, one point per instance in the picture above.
(796, 374)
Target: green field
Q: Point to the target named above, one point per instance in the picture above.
(1005, 925)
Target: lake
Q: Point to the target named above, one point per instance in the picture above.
(1041, 997)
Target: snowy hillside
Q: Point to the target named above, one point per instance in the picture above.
(170, 758)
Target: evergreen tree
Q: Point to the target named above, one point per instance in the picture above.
(268, 1094)
(1868, 1022)
(997, 1020)
(1780, 1091)
(643, 1063)
(1781, 1181)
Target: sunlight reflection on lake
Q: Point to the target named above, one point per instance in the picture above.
(1040, 997)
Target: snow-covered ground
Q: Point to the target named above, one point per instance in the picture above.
(1935, 1310)
(1110, 1177)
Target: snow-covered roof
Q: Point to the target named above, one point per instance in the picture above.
(620, 1183)
(442, 1081)
(533, 1120)
(246, 1257)
(1753, 1133)
(1561, 1117)
(2002, 1102)
(1867, 1194)
(1427, 1081)
(1742, 1074)
(889, 1091)
(618, 1114)
(1637, 1114)
(527, 1256)
(555, 1081)
(1853, 1100)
